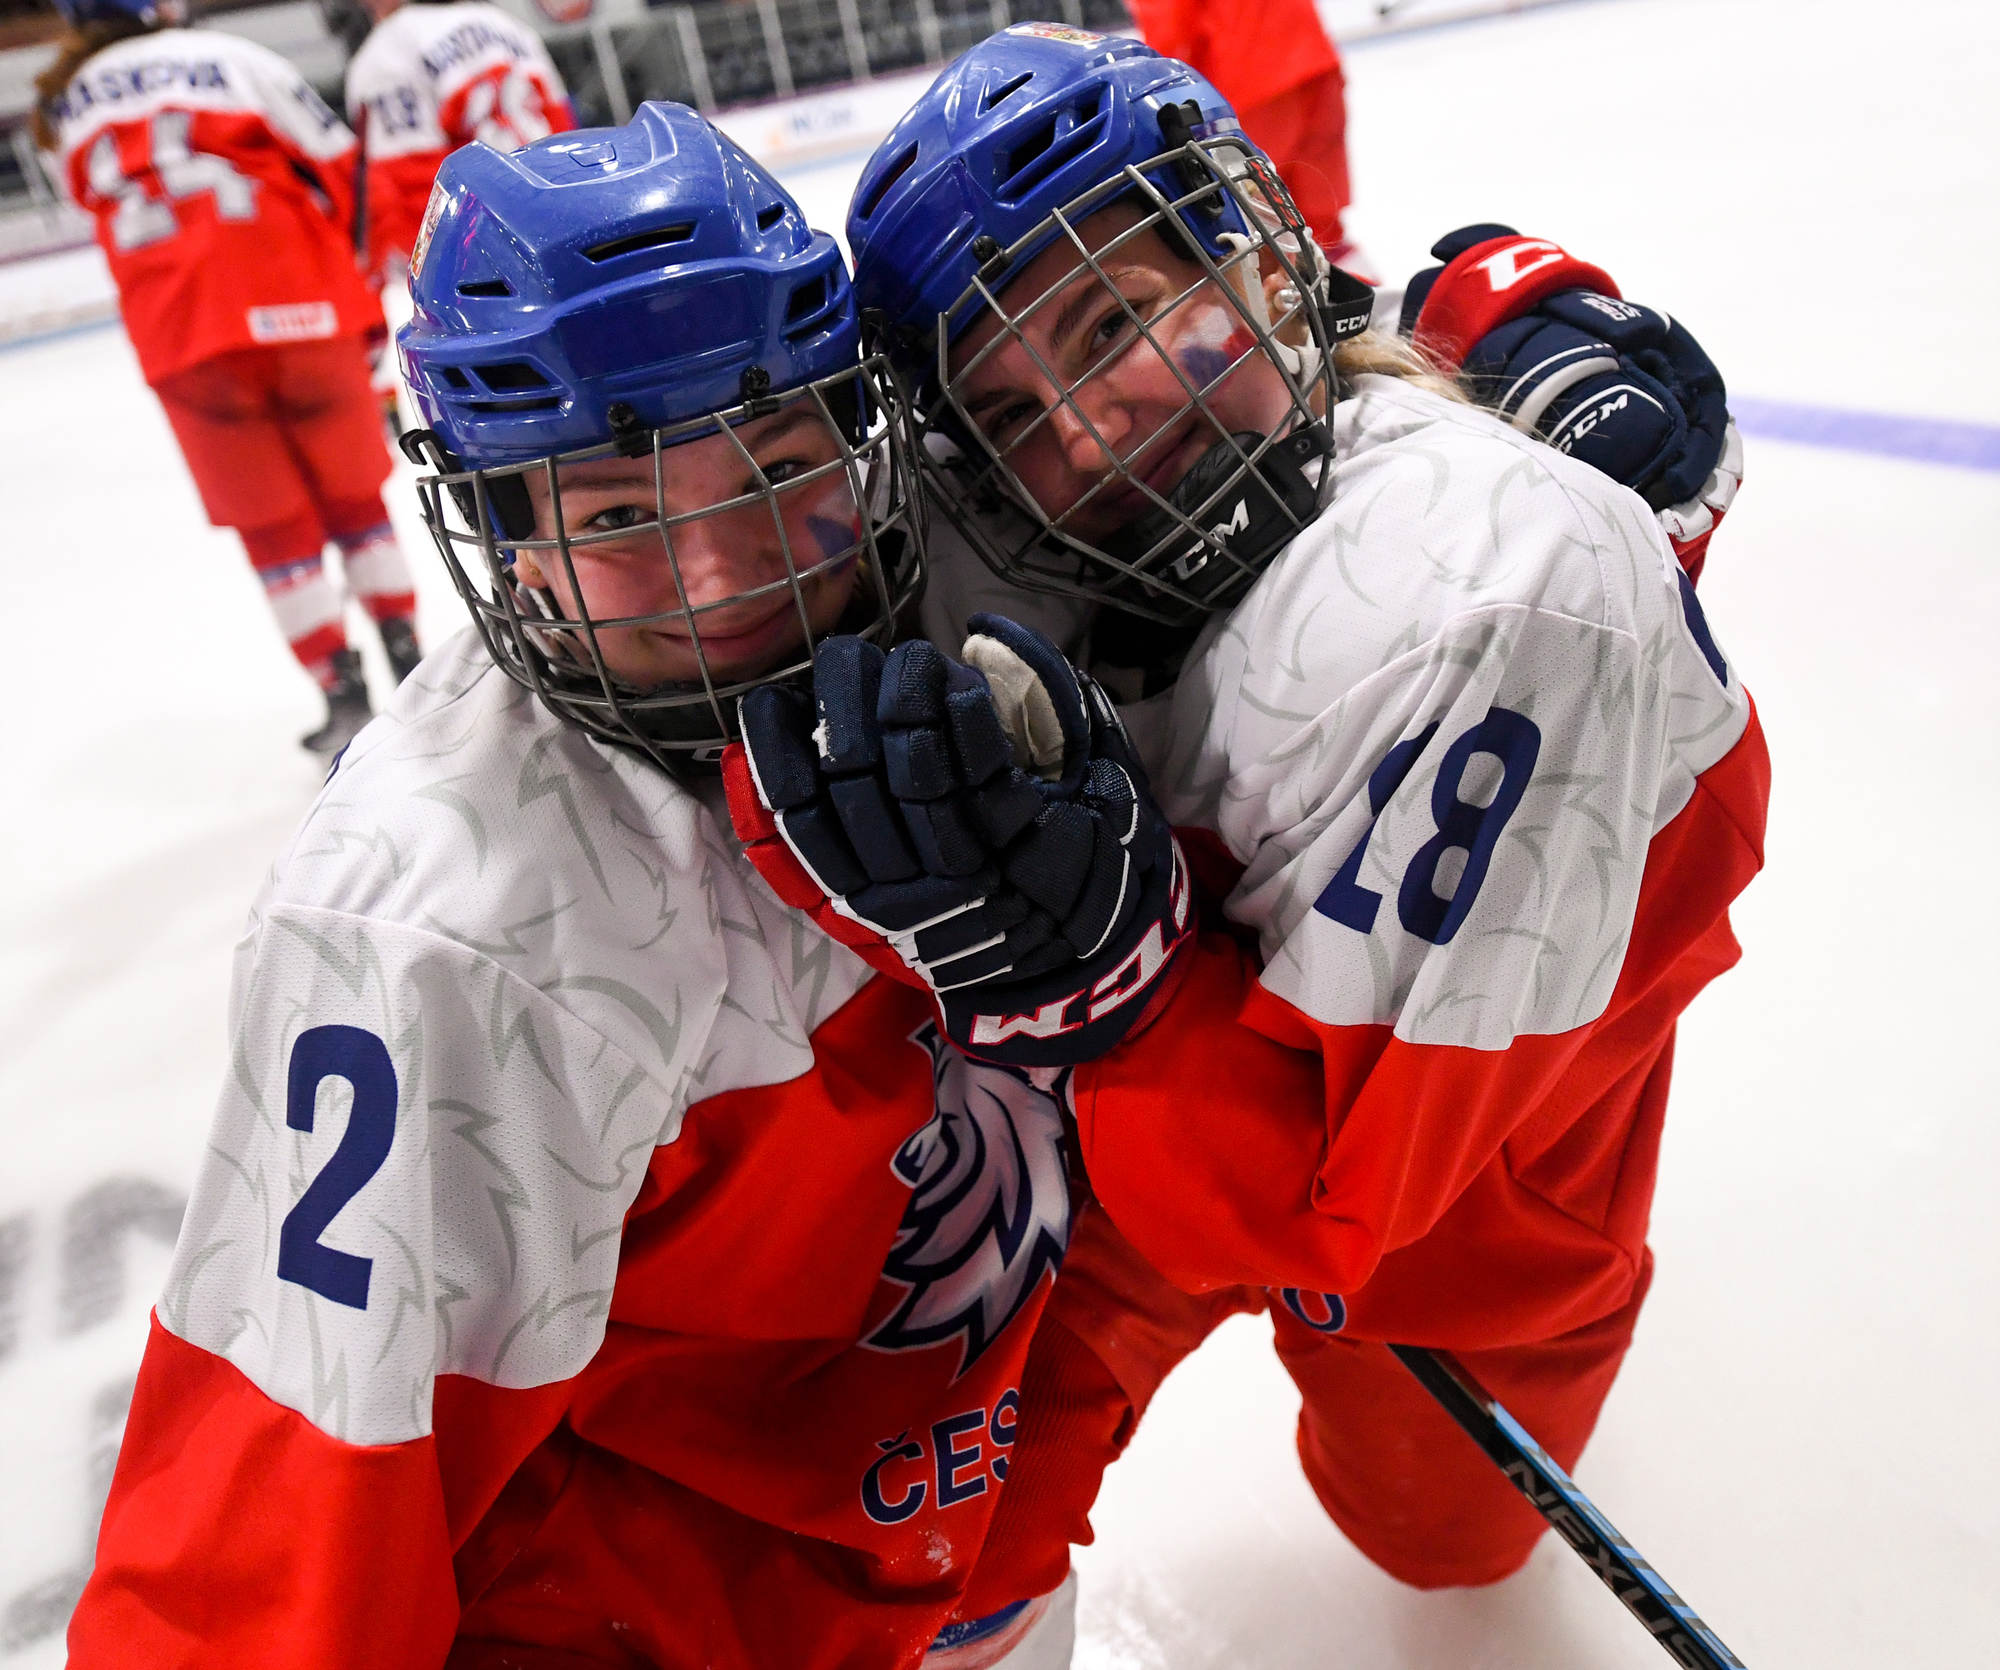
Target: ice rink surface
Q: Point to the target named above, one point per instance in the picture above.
(1803, 1439)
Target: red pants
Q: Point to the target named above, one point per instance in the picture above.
(286, 437)
(592, 1562)
(1396, 1474)
(1304, 130)
(1113, 1328)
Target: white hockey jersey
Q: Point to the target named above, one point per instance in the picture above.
(1476, 779)
(1470, 579)
(430, 78)
(550, 1132)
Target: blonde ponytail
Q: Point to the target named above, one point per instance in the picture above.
(1384, 354)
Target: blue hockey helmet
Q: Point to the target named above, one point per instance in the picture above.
(654, 267)
(618, 293)
(76, 13)
(1022, 125)
(1008, 153)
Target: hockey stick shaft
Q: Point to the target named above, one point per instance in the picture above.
(1555, 1496)
(357, 230)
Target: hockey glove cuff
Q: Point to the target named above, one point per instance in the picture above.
(1491, 275)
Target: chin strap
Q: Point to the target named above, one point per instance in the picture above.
(1244, 516)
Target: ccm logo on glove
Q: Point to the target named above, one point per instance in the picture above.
(1143, 965)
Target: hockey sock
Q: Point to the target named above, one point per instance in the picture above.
(303, 600)
(378, 573)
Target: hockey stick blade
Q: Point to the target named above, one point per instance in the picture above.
(1555, 1496)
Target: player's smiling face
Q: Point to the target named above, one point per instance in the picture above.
(1073, 361)
(735, 588)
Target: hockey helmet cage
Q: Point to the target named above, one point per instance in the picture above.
(1009, 150)
(620, 292)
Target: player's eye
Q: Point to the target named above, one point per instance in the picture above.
(781, 470)
(1136, 303)
(1108, 329)
(616, 518)
(1003, 426)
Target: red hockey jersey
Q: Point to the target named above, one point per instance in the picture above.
(1255, 51)
(222, 191)
(589, 1255)
(432, 78)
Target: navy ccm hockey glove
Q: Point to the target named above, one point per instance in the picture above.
(984, 821)
(1548, 342)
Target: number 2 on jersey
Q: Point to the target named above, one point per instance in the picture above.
(1462, 825)
(336, 1052)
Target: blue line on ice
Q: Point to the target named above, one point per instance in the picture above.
(1969, 446)
(41, 338)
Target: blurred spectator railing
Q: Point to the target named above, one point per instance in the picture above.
(716, 55)
(734, 52)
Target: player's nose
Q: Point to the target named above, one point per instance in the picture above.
(703, 562)
(1088, 423)
(725, 554)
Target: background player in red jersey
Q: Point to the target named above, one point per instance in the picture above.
(1275, 63)
(429, 78)
(221, 189)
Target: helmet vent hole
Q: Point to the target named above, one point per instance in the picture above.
(659, 237)
(511, 375)
(455, 377)
(1005, 91)
(1051, 145)
(769, 217)
(1034, 146)
(548, 403)
(809, 298)
(486, 287)
(872, 201)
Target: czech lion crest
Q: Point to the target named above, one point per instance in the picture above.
(989, 1208)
